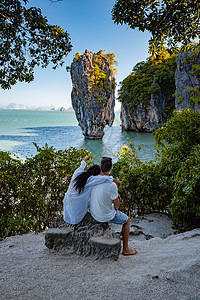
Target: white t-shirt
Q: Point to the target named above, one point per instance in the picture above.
(101, 206)
(75, 205)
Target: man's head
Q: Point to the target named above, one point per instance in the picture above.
(106, 164)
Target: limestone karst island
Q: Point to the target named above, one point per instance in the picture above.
(93, 93)
(148, 95)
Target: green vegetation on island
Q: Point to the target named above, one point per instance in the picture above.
(194, 58)
(156, 77)
(153, 77)
(99, 77)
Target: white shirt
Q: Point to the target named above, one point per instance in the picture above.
(75, 205)
(101, 206)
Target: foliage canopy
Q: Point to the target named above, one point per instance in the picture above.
(27, 40)
(168, 21)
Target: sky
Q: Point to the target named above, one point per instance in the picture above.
(90, 26)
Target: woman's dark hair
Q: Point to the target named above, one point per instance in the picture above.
(106, 164)
(80, 180)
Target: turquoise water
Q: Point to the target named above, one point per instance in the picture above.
(19, 129)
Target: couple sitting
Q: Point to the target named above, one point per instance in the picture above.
(98, 191)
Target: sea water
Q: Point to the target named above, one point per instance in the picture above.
(19, 129)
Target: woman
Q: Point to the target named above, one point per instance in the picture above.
(77, 197)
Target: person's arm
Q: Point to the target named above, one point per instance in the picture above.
(115, 197)
(117, 182)
(86, 158)
(82, 167)
(117, 202)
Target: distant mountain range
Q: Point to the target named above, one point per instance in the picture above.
(26, 107)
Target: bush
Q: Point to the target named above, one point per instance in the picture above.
(144, 188)
(171, 183)
(10, 170)
(185, 206)
(32, 192)
(179, 135)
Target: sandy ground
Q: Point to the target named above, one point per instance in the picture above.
(163, 269)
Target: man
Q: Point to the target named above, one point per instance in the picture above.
(104, 205)
(77, 197)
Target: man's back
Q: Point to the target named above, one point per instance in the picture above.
(101, 206)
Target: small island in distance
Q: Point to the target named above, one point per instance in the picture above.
(15, 106)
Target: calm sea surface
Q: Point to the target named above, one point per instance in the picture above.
(20, 129)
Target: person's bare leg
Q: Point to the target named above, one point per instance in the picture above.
(125, 234)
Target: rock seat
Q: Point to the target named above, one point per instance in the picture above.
(105, 247)
(88, 238)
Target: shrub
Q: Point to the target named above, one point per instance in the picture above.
(178, 136)
(171, 183)
(32, 192)
(177, 145)
(10, 170)
(185, 206)
(144, 189)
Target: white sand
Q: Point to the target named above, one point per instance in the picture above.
(163, 269)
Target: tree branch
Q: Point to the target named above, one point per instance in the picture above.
(23, 28)
(167, 12)
(5, 16)
(54, 1)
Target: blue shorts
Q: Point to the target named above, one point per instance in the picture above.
(120, 218)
